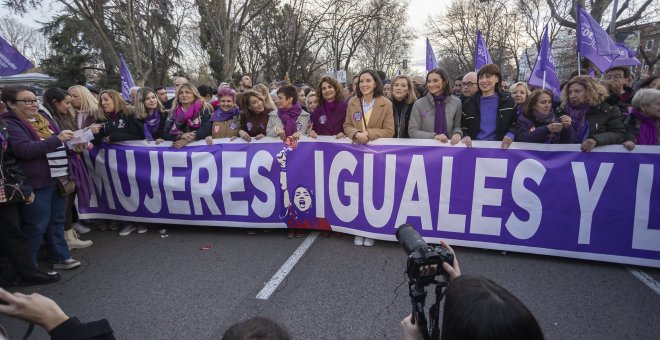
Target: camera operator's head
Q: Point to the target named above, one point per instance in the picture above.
(478, 309)
(256, 328)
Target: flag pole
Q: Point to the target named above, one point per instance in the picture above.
(579, 67)
(544, 79)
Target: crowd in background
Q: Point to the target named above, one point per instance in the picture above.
(44, 177)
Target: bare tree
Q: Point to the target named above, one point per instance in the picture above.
(597, 9)
(27, 40)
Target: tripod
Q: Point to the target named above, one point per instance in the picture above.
(418, 294)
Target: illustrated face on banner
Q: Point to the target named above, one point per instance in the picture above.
(302, 199)
(256, 104)
(151, 102)
(226, 103)
(577, 95)
(107, 104)
(328, 92)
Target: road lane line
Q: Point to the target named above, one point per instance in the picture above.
(275, 281)
(646, 279)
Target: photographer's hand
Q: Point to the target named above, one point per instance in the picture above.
(452, 272)
(410, 331)
(33, 308)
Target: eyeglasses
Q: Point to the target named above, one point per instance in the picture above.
(468, 84)
(28, 101)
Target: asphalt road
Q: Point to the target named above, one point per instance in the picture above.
(150, 287)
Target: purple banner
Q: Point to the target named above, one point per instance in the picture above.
(626, 57)
(126, 80)
(532, 198)
(481, 55)
(544, 74)
(11, 61)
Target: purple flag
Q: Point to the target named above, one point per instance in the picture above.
(126, 79)
(11, 61)
(431, 62)
(593, 42)
(481, 55)
(592, 73)
(626, 57)
(544, 74)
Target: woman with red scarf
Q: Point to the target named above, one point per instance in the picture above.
(290, 120)
(189, 113)
(643, 123)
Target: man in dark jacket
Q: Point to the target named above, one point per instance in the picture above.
(489, 114)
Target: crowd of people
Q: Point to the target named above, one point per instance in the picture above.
(43, 174)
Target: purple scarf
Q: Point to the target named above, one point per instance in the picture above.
(542, 117)
(187, 117)
(578, 117)
(648, 133)
(440, 119)
(151, 124)
(221, 116)
(289, 117)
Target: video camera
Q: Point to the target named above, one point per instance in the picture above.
(423, 265)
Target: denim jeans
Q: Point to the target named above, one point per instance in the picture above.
(45, 218)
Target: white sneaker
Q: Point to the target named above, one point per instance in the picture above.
(81, 229)
(128, 229)
(358, 241)
(368, 242)
(141, 229)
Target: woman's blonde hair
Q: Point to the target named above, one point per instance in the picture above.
(596, 93)
(265, 94)
(141, 111)
(410, 99)
(88, 102)
(189, 87)
(119, 103)
(524, 85)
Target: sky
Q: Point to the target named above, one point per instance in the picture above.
(418, 12)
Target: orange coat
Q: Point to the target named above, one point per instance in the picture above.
(381, 121)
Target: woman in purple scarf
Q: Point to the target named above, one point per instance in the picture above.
(328, 117)
(538, 123)
(150, 111)
(594, 121)
(643, 123)
(290, 120)
(189, 113)
(224, 122)
(438, 114)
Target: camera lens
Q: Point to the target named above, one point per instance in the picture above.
(409, 238)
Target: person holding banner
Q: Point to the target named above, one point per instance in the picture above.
(538, 123)
(643, 123)
(38, 145)
(58, 104)
(594, 122)
(489, 114)
(369, 116)
(519, 93)
(149, 109)
(13, 240)
(290, 120)
(403, 98)
(438, 114)
(121, 122)
(328, 117)
(255, 114)
(224, 122)
(86, 106)
(189, 113)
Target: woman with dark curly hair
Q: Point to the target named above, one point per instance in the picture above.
(594, 121)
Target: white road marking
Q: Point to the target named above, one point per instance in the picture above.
(646, 279)
(275, 281)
